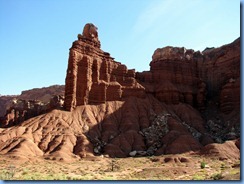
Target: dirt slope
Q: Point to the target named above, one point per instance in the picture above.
(114, 128)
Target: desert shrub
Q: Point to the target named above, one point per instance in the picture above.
(114, 165)
(8, 173)
(4, 175)
(203, 165)
(217, 176)
(198, 177)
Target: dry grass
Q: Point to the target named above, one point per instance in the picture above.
(146, 168)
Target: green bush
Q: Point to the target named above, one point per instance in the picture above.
(198, 177)
(203, 165)
(217, 176)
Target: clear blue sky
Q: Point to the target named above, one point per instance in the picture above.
(35, 35)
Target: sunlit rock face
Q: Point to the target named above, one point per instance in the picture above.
(177, 75)
(173, 77)
(93, 76)
(181, 75)
(187, 101)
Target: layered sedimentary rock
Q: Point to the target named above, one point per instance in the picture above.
(42, 94)
(179, 78)
(230, 96)
(114, 128)
(219, 65)
(116, 112)
(173, 77)
(93, 77)
(177, 75)
(4, 103)
(182, 75)
(30, 103)
(20, 110)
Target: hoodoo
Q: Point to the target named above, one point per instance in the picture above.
(177, 75)
(93, 76)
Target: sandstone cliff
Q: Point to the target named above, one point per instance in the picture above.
(176, 75)
(187, 100)
(182, 75)
(93, 77)
(179, 80)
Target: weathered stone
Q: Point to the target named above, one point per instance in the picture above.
(118, 112)
(20, 110)
(230, 96)
(133, 153)
(93, 76)
(181, 75)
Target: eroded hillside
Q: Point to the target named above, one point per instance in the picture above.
(186, 102)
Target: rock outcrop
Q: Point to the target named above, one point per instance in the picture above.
(219, 66)
(177, 75)
(181, 75)
(230, 96)
(30, 103)
(20, 110)
(93, 77)
(173, 77)
(180, 105)
(5, 102)
(42, 94)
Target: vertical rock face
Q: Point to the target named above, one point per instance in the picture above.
(221, 71)
(173, 77)
(180, 83)
(230, 96)
(219, 65)
(93, 76)
(177, 75)
(180, 75)
(136, 114)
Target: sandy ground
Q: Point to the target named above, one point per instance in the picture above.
(188, 166)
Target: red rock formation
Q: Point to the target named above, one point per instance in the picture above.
(115, 112)
(177, 75)
(180, 75)
(5, 103)
(230, 96)
(111, 128)
(224, 151)
(93, 76)
(219, 65)
(42, 94)
(173, 77)
(21, 110)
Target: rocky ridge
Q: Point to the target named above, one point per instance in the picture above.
(18, 108)
(42, 94)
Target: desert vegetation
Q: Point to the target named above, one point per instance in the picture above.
(168, 167)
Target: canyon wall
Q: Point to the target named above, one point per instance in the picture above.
(177, 75)
(182, 75)
(173, 77)
(186, 101)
